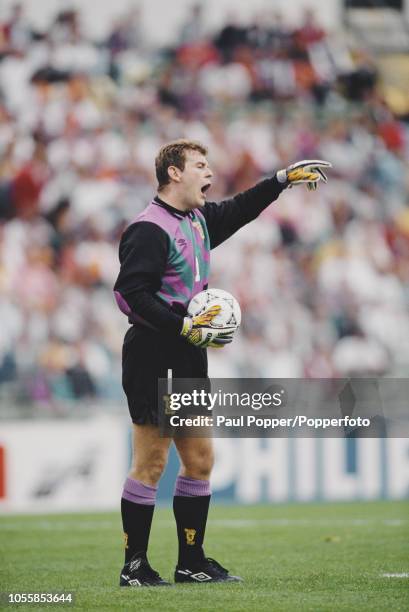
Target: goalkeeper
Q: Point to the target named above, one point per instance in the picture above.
(165, 257)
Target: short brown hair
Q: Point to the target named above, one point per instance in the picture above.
(173, 154)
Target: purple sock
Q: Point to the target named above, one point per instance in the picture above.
(137, 506)
(138, 493)
(191, 506)
(191, 487)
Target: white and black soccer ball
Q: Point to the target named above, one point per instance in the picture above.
(230, 315)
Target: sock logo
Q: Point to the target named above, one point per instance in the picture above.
(126, 540)
(190, 536)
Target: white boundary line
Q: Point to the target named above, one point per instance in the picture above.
(82, 525)
(401, 575)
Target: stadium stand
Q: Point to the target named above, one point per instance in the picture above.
(322, 278)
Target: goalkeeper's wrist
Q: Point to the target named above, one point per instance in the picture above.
(186, 327)
(281, 176)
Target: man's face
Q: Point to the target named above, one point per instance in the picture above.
(195, 179)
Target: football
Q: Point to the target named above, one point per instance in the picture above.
(230, 315)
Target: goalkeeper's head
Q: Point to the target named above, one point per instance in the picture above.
(183, 174)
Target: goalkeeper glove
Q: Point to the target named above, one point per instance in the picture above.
(308, 171)
(198, 331)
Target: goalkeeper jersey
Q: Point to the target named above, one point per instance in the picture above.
(165, 254)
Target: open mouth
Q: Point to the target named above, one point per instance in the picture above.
(205, 188)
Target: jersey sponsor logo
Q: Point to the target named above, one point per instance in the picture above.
(190, 536)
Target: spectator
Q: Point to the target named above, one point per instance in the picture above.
(321, 279)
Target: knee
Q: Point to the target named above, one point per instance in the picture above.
(150, 470)
(198, 465)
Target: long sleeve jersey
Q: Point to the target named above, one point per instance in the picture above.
(165, 254)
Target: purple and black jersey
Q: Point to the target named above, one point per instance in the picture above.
(165, 254)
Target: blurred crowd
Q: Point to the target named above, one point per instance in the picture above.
(322, 277)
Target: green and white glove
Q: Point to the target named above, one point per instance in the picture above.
(198, 330)
(307, 171)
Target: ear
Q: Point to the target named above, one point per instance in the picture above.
(175, 173)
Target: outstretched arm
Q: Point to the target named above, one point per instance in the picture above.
(224, 219)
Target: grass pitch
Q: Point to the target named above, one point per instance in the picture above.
(297, 557)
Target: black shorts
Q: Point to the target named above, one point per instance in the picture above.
(147, 356)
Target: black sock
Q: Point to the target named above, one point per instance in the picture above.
(191, 518)
(136, 516)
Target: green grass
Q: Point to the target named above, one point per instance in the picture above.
(297, 557)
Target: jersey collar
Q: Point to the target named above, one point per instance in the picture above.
(173, 211)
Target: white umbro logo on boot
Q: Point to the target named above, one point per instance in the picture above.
(201, 577)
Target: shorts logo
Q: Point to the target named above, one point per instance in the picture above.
(181, 242)
(190, 536)
(166, 401)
